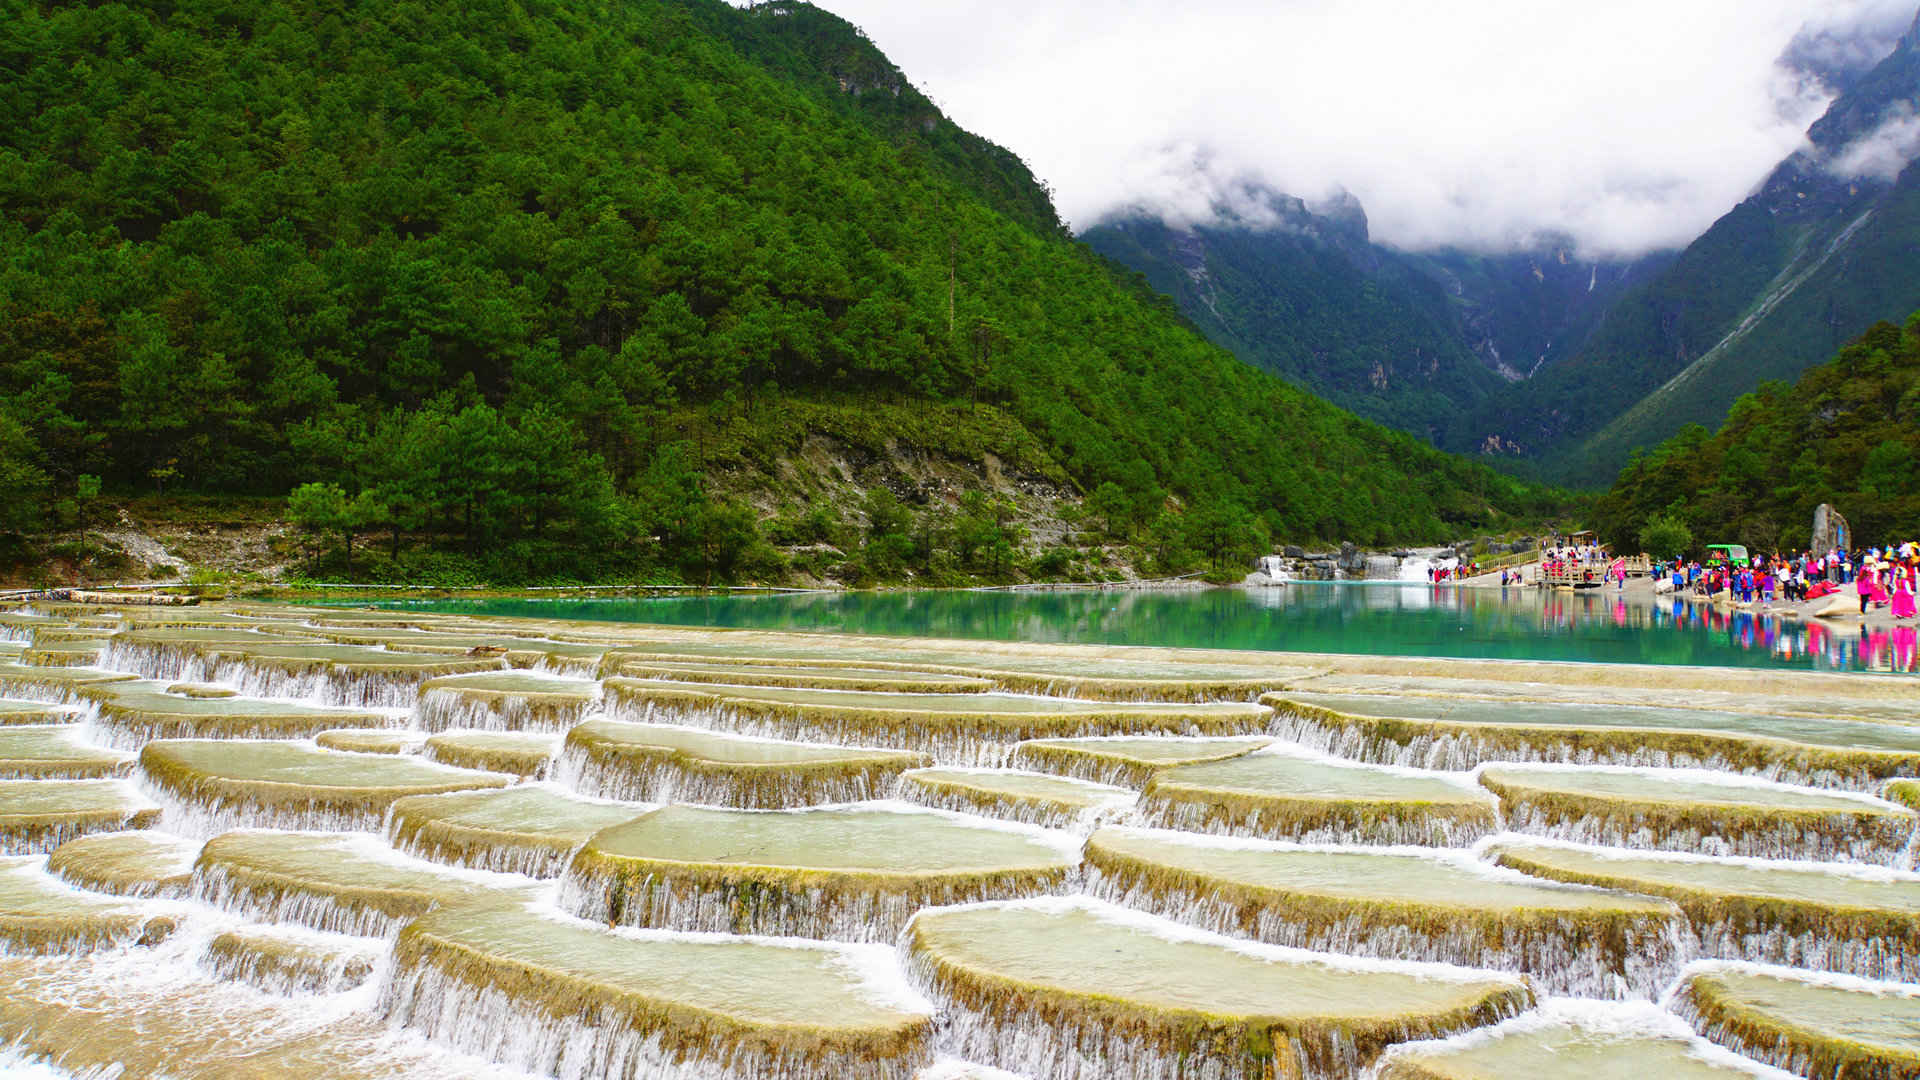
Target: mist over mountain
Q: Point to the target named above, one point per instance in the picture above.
(1415, 341)
(1828, 245)
(1629, 127)
(1576, 358)
(1837, 51)
(1302, 292)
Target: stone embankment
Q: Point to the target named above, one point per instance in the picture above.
(1350, 563)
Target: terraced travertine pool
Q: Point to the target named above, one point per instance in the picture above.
(250, 840)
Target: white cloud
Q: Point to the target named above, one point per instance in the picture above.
(1881, 153)
(1629, 125)
(1848, 40)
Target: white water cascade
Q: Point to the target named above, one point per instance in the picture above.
(316, 910)
(1418, 567)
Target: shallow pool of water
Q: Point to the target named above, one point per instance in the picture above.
(1396, 620)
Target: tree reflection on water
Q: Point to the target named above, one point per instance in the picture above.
(1382, 619)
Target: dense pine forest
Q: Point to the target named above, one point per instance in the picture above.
(1848, 433)
(546, 285)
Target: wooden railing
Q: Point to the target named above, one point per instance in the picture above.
(1574, 573)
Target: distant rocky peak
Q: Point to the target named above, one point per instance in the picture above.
(1198, 190)
(1868, 135)
(1342, 210)
(1249, 204)
(1836, 57)
(1888, 93)
(1337, 219)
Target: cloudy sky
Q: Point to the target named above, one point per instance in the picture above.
(1629, 124)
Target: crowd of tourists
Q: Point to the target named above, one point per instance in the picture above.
(1558, 558)
(1880, 577)
(1588, 562)
(1883, 578)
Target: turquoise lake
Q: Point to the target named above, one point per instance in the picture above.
(1383, 619)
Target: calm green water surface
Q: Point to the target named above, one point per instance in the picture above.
(1395, 620)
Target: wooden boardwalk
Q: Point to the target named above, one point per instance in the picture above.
(1594, 572)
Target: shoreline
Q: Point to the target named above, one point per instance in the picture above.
(1847, 684)
(1639, 590)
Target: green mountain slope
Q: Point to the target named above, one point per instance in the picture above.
(511, 270)
(1823, 249)
(1421, 342)
(1811, 303)
(1522, 312)
(823, 52)
(1308, 298)
(1847, 433)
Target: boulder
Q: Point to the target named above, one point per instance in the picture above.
(1842, 605)
(1351, 558)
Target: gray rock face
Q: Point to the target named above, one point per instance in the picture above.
(1292, 552)
(1350, 557)
(1830, 530)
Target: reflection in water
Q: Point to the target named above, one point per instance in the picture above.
(1812, 642)
(1340, 617)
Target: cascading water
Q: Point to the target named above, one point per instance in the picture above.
(849, 873)
(1464, 732)
(429, 917)
(1422, 567)
(292, 962)
(1406, 903)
